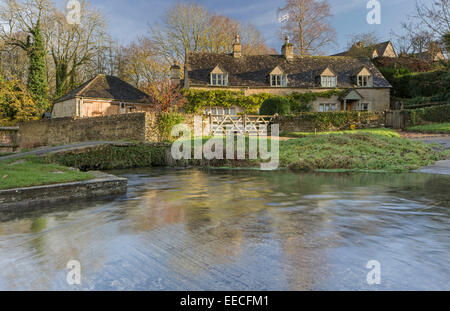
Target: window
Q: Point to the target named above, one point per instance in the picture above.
(363, 81)
(364, 107)
(220, 111)
(327, 107)
(219, 79)
(329, 81)
(278, 80)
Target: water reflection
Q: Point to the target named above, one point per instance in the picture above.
(235, 230)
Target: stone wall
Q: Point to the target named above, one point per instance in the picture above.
(71, 130)
(43, 196)
(9, 139)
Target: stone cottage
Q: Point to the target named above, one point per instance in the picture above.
(384, 49)
(364, 87)
(101, 96)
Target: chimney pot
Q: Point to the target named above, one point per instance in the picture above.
(237, 47)
(287, 49)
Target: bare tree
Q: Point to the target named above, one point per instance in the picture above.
(184, 29)
(72, 46)
(141, 64)
(436, 16)
(414, 38)
(309, 25)
(365, 39)
(191, 27)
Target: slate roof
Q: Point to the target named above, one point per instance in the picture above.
(107, 87)
(379, 47)
(302, 71)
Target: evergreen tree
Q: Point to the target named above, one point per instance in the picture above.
(37, 75)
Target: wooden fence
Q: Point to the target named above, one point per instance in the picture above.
(395, 119)
(241, 124)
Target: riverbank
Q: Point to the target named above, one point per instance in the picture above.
(99, 185)
(32, 171)
(340, 152)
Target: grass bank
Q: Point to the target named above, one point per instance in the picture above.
(356, 151)
(378, 131)
(438, 128)
(32, 171)
(108, 157)
(360, 152)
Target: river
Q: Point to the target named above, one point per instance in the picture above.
(238, 230)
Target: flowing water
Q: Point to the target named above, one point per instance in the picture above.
(238, 230)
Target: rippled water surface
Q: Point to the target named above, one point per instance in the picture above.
(238, 230)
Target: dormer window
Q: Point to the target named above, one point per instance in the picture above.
(219, 77)
(328, 78)
(363, 81)
(329, 81)
(278, 78)
(364, 78)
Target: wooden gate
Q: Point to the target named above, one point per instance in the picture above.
(242, 124)
(395, 119)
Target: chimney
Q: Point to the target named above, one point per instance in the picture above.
(288, 49)
(175, 74)
(237, 47)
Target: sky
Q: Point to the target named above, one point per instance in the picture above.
(130, 19)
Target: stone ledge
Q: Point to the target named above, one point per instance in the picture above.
(38, 196)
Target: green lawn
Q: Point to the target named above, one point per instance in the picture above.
(377, 131)
(438, 128)
(32, 171)
(356, 151)
(361, 151)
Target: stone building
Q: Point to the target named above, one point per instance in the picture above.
(384, 49)
(433, 54)
(101, 96)
(364, 87)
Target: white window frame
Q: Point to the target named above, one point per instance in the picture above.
(363, 81)
(362, 106)
(219, 79)
(329, 81)
(277, 80)
(327, 107)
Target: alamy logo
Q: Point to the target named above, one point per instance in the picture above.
(73, 16)
(374, 275)
(74, 275)
(374, 15)
(235, 145)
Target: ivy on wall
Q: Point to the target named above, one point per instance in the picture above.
(197, 100)
(166, 121)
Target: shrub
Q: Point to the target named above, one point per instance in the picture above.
(166, 121)
(275, 105)
(326, 121)
(16, 104)
(438, 114)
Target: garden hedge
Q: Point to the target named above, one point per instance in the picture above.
(438, 114)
